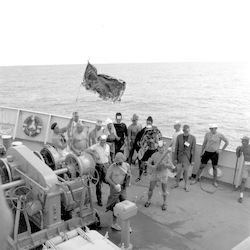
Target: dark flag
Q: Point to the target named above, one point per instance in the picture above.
(107, 87)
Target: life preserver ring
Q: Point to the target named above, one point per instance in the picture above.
(32, 126)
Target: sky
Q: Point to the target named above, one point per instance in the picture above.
(51, 32)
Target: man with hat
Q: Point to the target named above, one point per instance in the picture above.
(178, 131)
(158, 163)
(96, 133)
(118, 176)
(245, 150)
(211, 151)
(58, 139)
(133, 130)
(102, 152)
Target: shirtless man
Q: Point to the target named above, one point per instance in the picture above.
(210, 151)
(159, 172)
(116, 177)
(58, 139)
(80, 140)
(133, 130)
(96, 133)
(245, 150)
(74, 121)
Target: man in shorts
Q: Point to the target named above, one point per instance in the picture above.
(245, 150)
(158, 164)
(147, 143)
(133, 130)
(211, 151)
(116, 176)
(184, 155)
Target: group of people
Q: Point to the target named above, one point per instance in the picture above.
(114, 146)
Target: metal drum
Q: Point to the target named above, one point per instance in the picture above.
(50, 156)
(71, 194)
(80, 164)
(7, 141)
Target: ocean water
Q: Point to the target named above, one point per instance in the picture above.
(195, 93)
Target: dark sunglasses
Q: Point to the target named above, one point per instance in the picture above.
(118, 163)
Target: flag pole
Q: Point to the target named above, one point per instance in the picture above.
(78, 94)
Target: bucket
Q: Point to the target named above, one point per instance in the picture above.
(7, 141)
(16, 143)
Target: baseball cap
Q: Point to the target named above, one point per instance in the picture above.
(213, 125)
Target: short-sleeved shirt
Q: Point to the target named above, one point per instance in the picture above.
(213, 141)
(121, 130)
(103, 153)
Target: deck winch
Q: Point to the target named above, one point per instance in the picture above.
(47, 203)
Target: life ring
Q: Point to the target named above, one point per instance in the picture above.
(32, 126)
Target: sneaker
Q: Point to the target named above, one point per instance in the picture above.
(193, 182)
(130, 229)
(116, 227)
(215, 184)
(240, 200)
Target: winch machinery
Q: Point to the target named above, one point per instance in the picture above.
(47, 201)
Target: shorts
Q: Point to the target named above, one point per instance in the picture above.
(213, 156)
(159, 176)
(246, 170)
(184, 164)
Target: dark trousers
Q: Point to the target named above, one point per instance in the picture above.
(102, 170)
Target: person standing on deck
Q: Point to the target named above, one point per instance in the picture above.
(211, 151)
(184, 155)
(245, 150)
(96, 133)
(158, 164)
(80, 141)
(178, 131)
(133, 130)
(58, 139)
(74, 121)
(122, 134)
(146, 142)
(117, 175)
(102, 152)
(110, 132)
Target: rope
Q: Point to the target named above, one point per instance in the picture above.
(209, 192)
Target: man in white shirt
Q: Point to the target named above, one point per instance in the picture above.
(102, 152)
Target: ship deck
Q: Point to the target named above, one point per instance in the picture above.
(195, 220)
